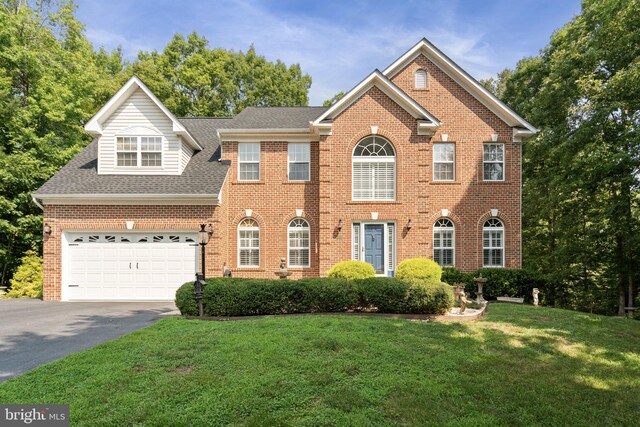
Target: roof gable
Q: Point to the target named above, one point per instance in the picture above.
(94, 126)
(427, 123)
(471, 85)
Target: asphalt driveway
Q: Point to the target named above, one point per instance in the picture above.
(33, 332)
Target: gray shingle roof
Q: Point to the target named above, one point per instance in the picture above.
(204, 174)
(274, 118)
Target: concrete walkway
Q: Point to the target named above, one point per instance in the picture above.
(33, 332)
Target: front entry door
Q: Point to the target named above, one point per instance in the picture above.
(374, 246)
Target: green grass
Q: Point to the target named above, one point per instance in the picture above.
(517, 366)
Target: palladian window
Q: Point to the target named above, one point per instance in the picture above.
(248, 243)
(374, 170)
(493, 243)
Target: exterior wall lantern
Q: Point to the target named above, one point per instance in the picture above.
(340, 225)
(46, 230)
(409, 224)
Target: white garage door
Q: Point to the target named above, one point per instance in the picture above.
(112, 266)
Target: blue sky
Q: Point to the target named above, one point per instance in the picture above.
(337, 42)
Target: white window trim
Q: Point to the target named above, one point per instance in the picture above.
(251, 162)
(139, 152)
(501, 229)
(308, 248)
(385, 237)
(504, 161)
(259, 244)
(289, 162)
(453, 242)
(453, 162)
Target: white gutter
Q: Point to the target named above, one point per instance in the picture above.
(33, 197)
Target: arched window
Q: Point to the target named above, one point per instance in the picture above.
(493, 243)
(248, 243)
(374, 170)
(444, 242)
(421, 79)
(299, 243)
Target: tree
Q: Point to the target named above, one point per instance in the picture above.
(192, 79)
(582, 171)
(497, 85)
(48, 78)
(337, 97)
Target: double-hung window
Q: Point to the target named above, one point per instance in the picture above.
(374, 170)
(493, 243)
(443, 242)
(249, 243)
(444, 162)
(493, 162)
(298, 161)
(299, 243)
(138, 151)
(249, 161)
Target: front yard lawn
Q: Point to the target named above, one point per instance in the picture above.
(517, 366)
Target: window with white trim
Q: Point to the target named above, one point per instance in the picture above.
(421, 79)
(138, 151)
(298, 155)
(493, 162)
(444, 242)
(299, 243)
(249, 161)
(248, 243)
(493, 243)
(374, 170)
(444, 162)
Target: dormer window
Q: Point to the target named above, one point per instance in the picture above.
(139, 151)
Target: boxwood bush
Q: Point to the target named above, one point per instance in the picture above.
(419, 268)
(249, 297)
(352, 270)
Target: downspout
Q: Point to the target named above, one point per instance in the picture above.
(36, 202)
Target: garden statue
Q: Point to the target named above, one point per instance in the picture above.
(480, 281)
(283, 273)
(535, 296)
(226, 271)
(458, 291)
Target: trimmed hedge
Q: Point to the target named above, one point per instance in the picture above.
(419, 268)
(352, 270)
(249, 297)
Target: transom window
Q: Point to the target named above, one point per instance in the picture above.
(249, 161)
(299, 243)
(139, 151)
(444, 162)
(493, 162)
(443, 242)
(299, 161)
(249, 243)
(374, 170)
(493, 243)
(421, 79)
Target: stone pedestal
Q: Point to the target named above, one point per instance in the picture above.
(283, 273)
(480, 281)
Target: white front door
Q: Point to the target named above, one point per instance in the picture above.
(127, 266)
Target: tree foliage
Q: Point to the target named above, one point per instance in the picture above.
(52, 81)
(582, 171)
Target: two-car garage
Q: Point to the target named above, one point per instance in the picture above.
(126, 266)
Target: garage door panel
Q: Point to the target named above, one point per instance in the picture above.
(132, 266)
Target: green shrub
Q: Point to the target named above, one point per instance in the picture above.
(27, 280)
(424, 297)
(352, 270)
(186, 301)
(452, 276)
(636, 314)
(419, 268)
(514, 283)
(249, 297)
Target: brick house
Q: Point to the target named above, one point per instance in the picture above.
(416, 160)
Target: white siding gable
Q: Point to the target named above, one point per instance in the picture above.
(138, 114)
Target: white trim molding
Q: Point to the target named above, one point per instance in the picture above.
(471, 85)
(94, 125)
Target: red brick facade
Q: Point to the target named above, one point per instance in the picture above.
(326, 199)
